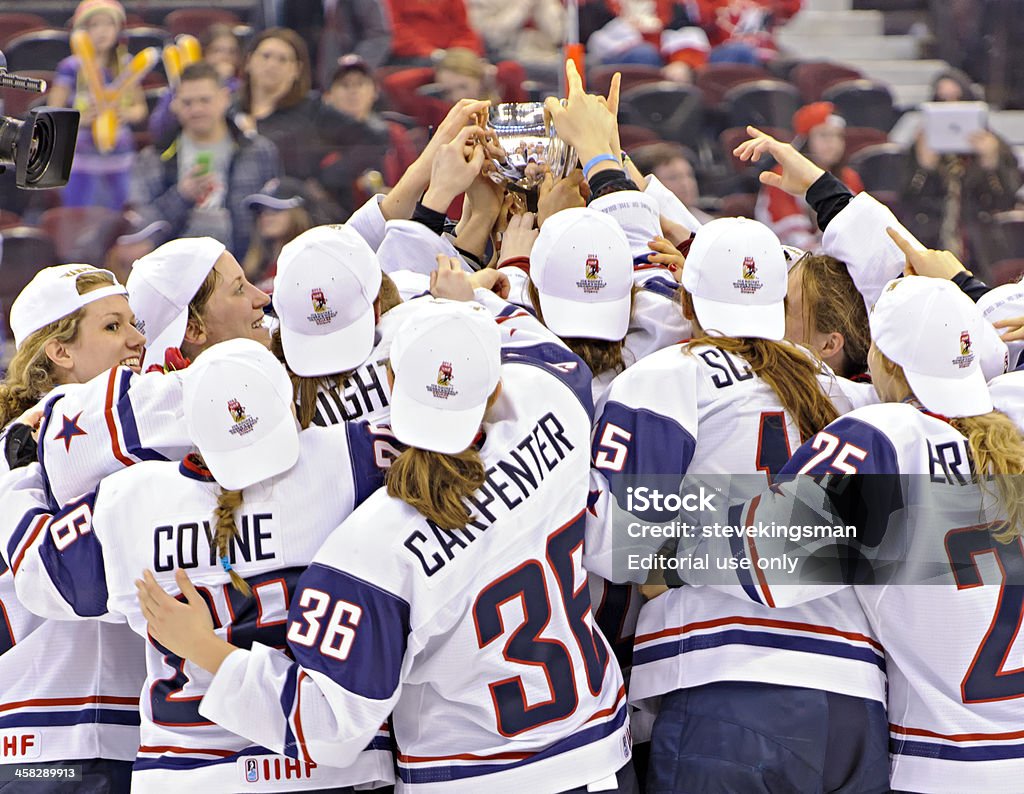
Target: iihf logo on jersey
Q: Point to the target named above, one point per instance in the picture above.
(592, 283)
(966, 355)
(251, 773)
(443, 389)
(749, 283)
(322, 313)
(243, 424)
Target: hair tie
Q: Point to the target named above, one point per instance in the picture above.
(225, 562)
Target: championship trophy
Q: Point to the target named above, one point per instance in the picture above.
(530, 143)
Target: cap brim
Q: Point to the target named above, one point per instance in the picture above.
(742, 320)
(156, 227)
(258, 199)
(951, 397)
(605, 320)
(329, 354)
(239, 468)
(423, 427)
(172, 336)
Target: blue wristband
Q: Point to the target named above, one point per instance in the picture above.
(600, 158)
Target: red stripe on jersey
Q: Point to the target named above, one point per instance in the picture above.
(753, 553)
(163, 748)
(105, 699)
(778, 624)
(956, 737)
(611, 709)
(108, 414)
(40, 523)
(297, 718)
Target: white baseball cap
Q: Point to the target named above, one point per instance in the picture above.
(161, 286)
(736, 274)
(931, 329)
(53, 294)
(327, 280)
(446, 360)
(583, 269)
(1003, 303)
(238, 411)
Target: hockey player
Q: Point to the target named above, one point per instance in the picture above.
(68, 692)
(809, 683)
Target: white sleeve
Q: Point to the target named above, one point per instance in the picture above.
(409, 245)
(657, 319)
(369, 222)
(115, 420)
(349, 641)
(670, 205)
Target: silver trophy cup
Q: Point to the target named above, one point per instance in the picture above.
(530, 144)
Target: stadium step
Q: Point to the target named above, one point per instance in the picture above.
(812, 46)
(837, 23)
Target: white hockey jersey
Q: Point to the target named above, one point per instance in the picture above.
(67, 690)
(1007, 392)
(677, 413)
(158, 515)
(480, 641)
(950, 617)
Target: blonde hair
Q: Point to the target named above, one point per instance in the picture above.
(787, 369)
(997, 453)
(197, 306)
(600, 355)
(225, 529)
(31, 373)
(831, 302)
(435, 484)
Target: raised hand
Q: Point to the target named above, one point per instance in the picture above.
(798, 173)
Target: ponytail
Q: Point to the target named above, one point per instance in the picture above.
(997, 452)
(436, 484)
(224, 530)
(789, 371)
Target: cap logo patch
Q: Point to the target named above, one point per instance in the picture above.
(749, 283)
(322, 313)
(243, 424)
(443, 389)
(966, 356)
(592, 283)
(78, 271)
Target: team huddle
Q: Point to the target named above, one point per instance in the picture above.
(370, 534)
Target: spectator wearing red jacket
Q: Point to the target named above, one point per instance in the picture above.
(420, 27)
(821, 135)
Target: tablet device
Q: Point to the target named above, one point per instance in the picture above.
(948, 126)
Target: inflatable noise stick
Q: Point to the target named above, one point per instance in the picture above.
(185, 51)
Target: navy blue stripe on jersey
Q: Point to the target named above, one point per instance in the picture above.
(661, 286)
(739, 551)
(287, 702)
(440, 774)
(83, 716)
(633, 443)
(126, 415)
(73, 558)
(367, 476)
(40, 446)
(857, 444)
(378, 622)
(19, 532)
(560, 362)
(984, 752)
(759, 639)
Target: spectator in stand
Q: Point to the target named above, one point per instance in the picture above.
(421, 27)
(98, 178)
(274, 98)
(332, 28)
(359, 146)
(282, 211)
(459, 74)
(222, 49)
(821, 135)
(672, 164)
(525, 31)
(947, 199)
(138, 237)
(199, 183)
(742, 31)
